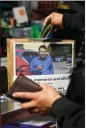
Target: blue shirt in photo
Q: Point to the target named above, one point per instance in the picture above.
(46, 64)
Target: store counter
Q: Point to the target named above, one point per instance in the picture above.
(11, 111)
(12, 116)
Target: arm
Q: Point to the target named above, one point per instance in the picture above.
(33, 68)
(68, 114)
(48, 64)
(51, 67)
(73, 21)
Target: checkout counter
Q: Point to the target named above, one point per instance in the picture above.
(12, 116)
(11, 111)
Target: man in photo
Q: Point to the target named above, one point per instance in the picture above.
(42, 64)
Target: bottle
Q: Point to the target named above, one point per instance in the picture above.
(35, 31)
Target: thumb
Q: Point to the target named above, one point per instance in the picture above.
(46, 19)
(30, 104)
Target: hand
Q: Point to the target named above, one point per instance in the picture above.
(55, 18)
(42, 100)
(39, 68)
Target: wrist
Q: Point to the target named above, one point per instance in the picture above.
(56, 98)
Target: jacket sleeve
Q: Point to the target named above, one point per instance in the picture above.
(68, 114)
(74, 21)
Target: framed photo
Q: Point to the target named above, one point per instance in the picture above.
(44, 61)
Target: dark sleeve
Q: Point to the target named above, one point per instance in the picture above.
(74, 21)
(68, 114)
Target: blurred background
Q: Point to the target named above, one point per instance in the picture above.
(24, 19)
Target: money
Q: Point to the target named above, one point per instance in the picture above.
(46, 29)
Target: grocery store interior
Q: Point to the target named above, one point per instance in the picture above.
(25, 20)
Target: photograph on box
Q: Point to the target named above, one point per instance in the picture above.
(48, 62)
(43, 59)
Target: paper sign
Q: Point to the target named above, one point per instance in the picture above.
(20, 14)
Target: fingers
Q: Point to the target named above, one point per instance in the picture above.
(47, 18)
(45, 86)
(29, 104)
(33, 110)
(26, 95)
(41, 111)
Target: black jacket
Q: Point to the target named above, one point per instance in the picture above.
(69, 110)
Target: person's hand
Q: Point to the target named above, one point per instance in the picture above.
(42, 100)
(55, 18)
(39, 68)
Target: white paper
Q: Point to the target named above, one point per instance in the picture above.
(20, 14)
